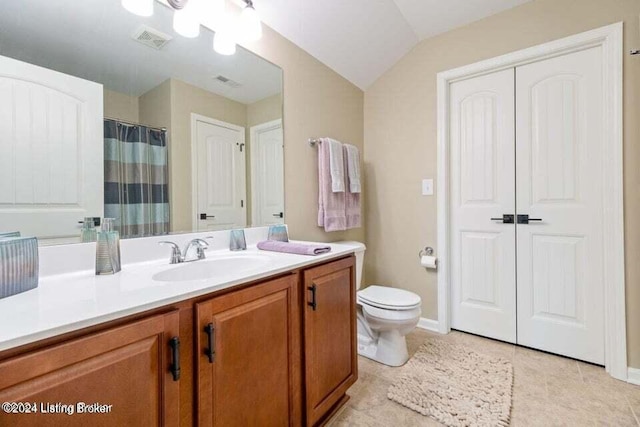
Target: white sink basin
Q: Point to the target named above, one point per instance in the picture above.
(214, 267)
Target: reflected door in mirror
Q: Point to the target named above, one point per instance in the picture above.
(267, 174)
(220, 190)
(50, 150)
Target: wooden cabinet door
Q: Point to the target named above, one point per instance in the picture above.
(248, 364)
(125, 370)
(329, 336)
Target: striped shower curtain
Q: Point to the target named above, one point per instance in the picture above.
(136, 179)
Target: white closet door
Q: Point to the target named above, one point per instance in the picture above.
(221, 176)
(559, 180)
(51, 150)
(482, 187)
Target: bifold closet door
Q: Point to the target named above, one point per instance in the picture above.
(559, 152)
(482, 181)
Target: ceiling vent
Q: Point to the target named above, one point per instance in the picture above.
(226, 81)
(151, 37)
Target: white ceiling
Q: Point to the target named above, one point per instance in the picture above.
(91, 39)
(428, 18)
(361, 39)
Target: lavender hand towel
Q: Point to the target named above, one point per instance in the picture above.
(293, 248)
(331, 206)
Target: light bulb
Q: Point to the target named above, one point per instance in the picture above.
(224, 43)
(250, 25)
(139, 7)
(186, 21)
(211, 12)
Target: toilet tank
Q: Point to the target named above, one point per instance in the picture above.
(359, 252)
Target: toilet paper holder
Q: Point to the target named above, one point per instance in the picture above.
(428, 251)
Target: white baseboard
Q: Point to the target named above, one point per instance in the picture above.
(633, 376)
(428, 324)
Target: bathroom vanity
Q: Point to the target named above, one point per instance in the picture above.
(250, 338)
(272, 346)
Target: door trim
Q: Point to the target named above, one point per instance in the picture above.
(253, 137)
(609, 39)
(195, 118)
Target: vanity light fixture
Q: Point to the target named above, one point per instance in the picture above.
(139, 7)
(224, 42)
(189, 14)
(250, 25)
(186, 21)
(212, 12)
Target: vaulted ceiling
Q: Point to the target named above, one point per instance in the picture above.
(361, 39)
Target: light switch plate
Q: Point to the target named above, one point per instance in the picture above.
(427, 187)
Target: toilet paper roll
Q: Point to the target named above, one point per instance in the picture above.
(429, 262)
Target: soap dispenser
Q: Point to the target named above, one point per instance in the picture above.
(89, 232)
(108, 249)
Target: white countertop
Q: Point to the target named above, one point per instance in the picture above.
(68, 302)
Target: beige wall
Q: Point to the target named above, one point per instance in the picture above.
(155, 107)
(120, 106)
(265, 110)
(317, 102)
(400, 135)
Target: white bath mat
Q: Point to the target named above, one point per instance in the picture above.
(455, 385)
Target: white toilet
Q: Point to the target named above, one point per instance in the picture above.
(385, 316)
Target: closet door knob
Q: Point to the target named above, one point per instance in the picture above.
(506, 219)
(524, 219)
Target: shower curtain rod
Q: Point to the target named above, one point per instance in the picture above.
(126, 122)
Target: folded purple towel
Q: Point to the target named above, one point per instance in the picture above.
(293, 248)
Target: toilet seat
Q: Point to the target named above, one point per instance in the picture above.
(391, 315)
(384, 297)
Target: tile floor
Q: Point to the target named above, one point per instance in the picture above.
(547, 390)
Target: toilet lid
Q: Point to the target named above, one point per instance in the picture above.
(386, 297)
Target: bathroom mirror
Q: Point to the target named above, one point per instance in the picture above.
(104, 113)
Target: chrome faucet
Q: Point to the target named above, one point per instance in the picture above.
(200, 246)
(178, 256)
